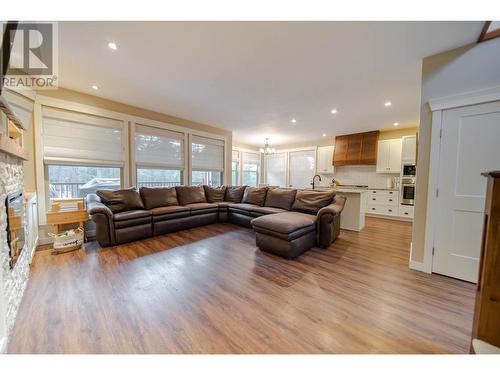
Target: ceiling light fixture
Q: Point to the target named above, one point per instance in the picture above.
(396, 124)
(324, 135)
(266, 150)
(333, 111)
(95, 87)
(387, 104)
(113, 46)
(293, 121)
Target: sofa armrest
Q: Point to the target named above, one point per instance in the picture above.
(102, 216)
(95, 206)
(333, 209)
(328, 219)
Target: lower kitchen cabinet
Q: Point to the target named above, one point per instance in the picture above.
(386, 203)
(406, 211)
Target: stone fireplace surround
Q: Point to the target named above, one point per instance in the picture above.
(12, 281)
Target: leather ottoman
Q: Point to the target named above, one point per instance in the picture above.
(287, 234)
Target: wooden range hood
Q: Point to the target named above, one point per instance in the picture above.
(356, 149)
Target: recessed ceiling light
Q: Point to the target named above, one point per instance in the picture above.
(396, 124)
(294, 121)
(333, 111)
(95, 87)
(324, 135)
(113, 46)
(387, 104)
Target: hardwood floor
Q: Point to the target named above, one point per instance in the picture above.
(209, 290)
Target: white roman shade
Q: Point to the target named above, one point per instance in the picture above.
(302, 166)
(207, 154)
(77, 138)
(275, 168)
(155, 147)
(250, 160)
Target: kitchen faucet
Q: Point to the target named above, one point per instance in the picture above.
(314, 178)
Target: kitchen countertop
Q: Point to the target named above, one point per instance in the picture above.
(353, 190)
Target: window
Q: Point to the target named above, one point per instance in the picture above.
(275, 169)
(235, 168)
(207, 161)
(159, 155)
(79, 138)
(82, 153)
(210, 178)
(301, 167)
(158, 177)
(251, 166)
(76, 181)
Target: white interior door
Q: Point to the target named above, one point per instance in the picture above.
(469, 146)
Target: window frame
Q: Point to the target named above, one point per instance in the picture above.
(140, 166)
(241, 160)
(287, 165)
(47, 181)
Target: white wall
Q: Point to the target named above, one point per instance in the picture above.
(469, 68)
(359, 175)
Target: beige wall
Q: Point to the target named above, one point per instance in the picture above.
(397, 133)
(468, 68)
(111, 105)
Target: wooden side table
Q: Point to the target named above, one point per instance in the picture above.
(67, 211)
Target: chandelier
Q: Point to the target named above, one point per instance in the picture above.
(266, 150)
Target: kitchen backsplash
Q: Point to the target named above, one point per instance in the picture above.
(358, 175)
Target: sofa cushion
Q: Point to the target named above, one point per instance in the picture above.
(254, 195)
(267, 210)
(202, 206)
(158, 197)
(215, 194)
(280, 198)
(310, 202)
(169, 213)
(242, 206)
(235, 193)
(285, 225)
(129, 215)
(190, 194)
(121, 200)
(168, 210)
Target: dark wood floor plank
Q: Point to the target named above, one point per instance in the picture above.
(210, 290)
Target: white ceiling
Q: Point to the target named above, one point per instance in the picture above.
(254, 77)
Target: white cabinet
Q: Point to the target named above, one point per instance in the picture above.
(406, 211)
(409, 148)
(389, 156)
(325, 160)
(383, 202)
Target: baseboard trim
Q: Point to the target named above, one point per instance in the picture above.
(417, 266)
(3, 345)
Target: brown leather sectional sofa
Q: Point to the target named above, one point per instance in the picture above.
(287, 222)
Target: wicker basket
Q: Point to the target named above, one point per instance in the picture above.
(68, 240)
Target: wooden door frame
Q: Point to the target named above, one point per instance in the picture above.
(437, 107)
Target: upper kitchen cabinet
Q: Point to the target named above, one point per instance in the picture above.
(354, 144)
(324, 160)
(389, 156)
(340, 150)
(409, 152)
(369, 148)
(356, 149)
